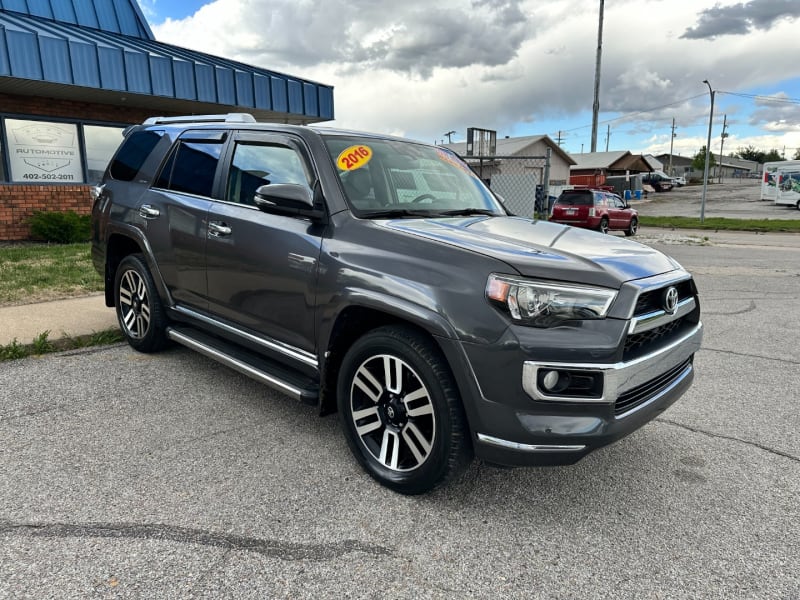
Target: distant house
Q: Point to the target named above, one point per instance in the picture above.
(592, 168)
(681, 166)
(518, 166)
(727, 168)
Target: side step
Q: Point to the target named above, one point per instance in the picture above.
(268, 372)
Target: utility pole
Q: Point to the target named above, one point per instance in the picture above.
(722, 143)
(559, 138)
(671, 141)
(708, 154)
(596, 104)
(608, 135)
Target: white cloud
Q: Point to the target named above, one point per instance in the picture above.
(420, 68)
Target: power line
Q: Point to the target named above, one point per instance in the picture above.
(641, 112)
(765, 98)
(655, 108)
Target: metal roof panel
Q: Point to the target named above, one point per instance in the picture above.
(83, 55)
(55, 60)
(85, 65)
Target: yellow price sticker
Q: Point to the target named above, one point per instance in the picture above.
(354, 157)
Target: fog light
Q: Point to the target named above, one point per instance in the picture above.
(555, 382)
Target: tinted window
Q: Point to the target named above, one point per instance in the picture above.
(191, 168)
(254, 165)
(134, 151)
(575, 199)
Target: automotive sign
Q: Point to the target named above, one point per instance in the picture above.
(40, 151)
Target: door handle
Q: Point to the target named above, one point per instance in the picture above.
(149, 212)
(217, 229)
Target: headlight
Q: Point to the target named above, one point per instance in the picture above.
(543, 304)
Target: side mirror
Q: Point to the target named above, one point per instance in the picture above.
(288, 199)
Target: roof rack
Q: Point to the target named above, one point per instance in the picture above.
(228, 118)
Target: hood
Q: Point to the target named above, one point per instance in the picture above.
(543, 249)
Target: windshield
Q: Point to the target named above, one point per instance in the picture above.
(388, 178)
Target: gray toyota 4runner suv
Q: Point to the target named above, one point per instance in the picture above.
(380, 278)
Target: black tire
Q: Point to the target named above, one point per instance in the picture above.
(139, 310)
(798, 205)
(633, 227)
(603, 227)
(401, 412)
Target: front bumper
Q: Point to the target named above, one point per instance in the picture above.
(548, 430)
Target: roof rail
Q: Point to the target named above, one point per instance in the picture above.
(228, 118)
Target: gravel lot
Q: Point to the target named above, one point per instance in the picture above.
(734, 199)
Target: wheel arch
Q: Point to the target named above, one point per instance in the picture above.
(356, 320)
(121, 243)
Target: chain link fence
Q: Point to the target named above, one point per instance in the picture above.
(515, 178)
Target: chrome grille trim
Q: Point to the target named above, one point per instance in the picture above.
(661, 317)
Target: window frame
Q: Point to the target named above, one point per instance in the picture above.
(5, 172)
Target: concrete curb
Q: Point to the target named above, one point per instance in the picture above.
(62, 318)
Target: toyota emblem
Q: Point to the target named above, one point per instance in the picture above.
(671, 300)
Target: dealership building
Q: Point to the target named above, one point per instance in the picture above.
(75, 73)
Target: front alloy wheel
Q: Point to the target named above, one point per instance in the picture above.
(392, 413)
(603, 228)
(400, 410)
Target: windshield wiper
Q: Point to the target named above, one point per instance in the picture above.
(465, 212)
(398, 212)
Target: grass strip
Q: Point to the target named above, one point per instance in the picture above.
(721, 223)
(39, 272)
(42, 344)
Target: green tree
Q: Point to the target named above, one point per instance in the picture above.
(772, 156)
(699, 160)
(750, 153)
(796, 154)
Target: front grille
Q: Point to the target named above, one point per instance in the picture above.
(636, 344)
(642, 393)
(651, 301)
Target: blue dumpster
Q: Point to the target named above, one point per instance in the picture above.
(638, 194)
(627, 194)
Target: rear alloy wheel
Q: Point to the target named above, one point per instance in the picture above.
(633, 227)
(400, 410)
(139, 311)
(603, 228)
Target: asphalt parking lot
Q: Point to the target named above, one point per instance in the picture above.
(130, 475)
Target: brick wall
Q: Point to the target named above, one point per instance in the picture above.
(19, 201)
(69, 109)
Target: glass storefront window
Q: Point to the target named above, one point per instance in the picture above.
(43, 152)
(101, 143)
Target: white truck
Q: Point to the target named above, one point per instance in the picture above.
(780, 182)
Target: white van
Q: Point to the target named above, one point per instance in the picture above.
(771, 176)
(788, 188)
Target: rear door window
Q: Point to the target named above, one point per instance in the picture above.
(192, 166)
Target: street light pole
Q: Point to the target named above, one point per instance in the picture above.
(708, 154)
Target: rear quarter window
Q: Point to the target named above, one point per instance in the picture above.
(132, 153)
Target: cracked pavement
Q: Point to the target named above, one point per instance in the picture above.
(132, 476)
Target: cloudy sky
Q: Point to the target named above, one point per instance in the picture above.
(421, 68)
